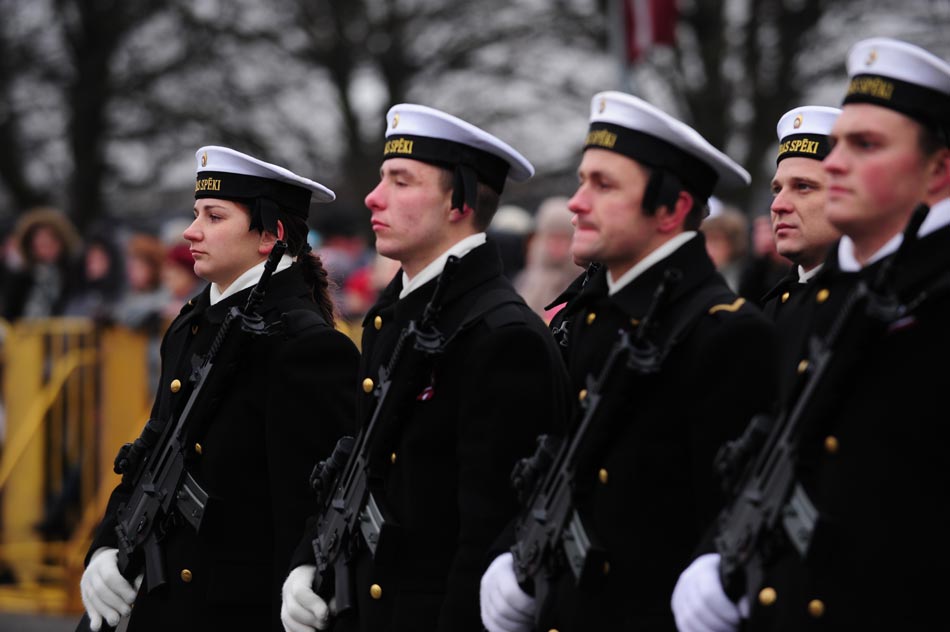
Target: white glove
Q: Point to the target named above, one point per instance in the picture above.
(699, 602)
(302, 610)
(105, 593)
(505, 607)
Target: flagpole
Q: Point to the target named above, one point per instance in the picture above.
(617, 37)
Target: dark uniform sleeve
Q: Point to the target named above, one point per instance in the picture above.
(515, 389)
(310, 405)
(737, 378)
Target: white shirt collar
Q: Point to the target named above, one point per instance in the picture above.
(647, 262)
(805, 277)
(248, 279)
(938, 217)
(434, 269)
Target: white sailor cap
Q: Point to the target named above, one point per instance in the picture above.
(228, 174)
(432, 136)
(803, 132)
(900, 76)
(630, 126)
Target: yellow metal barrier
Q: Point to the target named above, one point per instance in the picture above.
(73, 394)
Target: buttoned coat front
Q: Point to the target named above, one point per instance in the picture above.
(442, 465)
(646, 485)
(278, 405)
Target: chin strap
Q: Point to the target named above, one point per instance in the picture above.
(464, 187)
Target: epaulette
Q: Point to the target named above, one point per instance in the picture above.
(730, 308)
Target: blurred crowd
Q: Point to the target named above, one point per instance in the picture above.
(140, 280)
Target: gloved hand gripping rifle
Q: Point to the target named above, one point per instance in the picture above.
(550, 534)
(350, 515)
(154, 466)
(769, 508)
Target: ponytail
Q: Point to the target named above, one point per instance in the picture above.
(314, 274)
(320, 284)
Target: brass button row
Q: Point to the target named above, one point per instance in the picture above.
(768, 596)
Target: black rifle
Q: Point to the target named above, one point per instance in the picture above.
(161, 487)
(768, 508)
(350, 515)
(549, 532)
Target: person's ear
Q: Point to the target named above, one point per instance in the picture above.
(456, 215)
(268, 239)
(940, 172)
(670, 220)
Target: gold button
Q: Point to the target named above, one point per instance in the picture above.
(175, 386)
(378, 322)
(591, 317)
(375, 591)
(198, 448)
(392, 458)
(582, 395)
(767, 596)
(785, 296)
(831, 444)
(822, 295)
(606, 568)
(194, 329)
(802, 366)
(186, 575)
(602, 475)
(367, 385)
(553, 630)
(816, 608)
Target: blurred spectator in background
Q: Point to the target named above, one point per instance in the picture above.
(100, 280)
(549, 266)
(343, 246)
(727, 242)
(766, 267)
(511, 229)
(142, 307)
(47, 243)
(179, 281)
(359, 293)
(143, 303)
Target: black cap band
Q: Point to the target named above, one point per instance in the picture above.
(490, 169)
(928, 106)
(697, 176)
(235, 186)
(814, 146)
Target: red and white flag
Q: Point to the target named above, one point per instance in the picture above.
(648, 23)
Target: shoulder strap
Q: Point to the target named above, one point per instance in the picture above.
(708, 300)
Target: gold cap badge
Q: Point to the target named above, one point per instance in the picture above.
(798, 122)
(204, 159)
(395, 120)
(872, 57)
(603, 105)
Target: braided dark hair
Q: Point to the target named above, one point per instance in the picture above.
(315, 275)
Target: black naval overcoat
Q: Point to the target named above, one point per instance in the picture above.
(873, 461)
(444, 469)
(283, 402)
(646, 485)
(785, 306)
